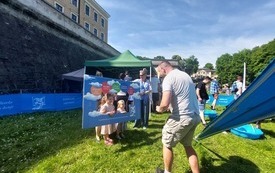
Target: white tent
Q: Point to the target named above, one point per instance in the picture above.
(74, 75)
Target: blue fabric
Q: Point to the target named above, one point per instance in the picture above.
(256, 103)
(27, 103)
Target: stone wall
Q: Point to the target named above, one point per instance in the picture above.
(35, 50)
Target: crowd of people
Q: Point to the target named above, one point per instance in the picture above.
(180, 96)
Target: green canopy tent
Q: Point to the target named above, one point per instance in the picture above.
(112, 67)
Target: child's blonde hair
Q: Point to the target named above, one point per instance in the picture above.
(120, 102)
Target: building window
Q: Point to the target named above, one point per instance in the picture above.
(95, 16)
(102, 22)
(87, 10)
(74, 2)
(74, 17)
(102, 36)
(95, 31)
(59, 7)
(87, 26)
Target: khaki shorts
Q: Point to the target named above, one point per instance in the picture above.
(179, 129)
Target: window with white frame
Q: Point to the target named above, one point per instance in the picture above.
(102, 36)
(74, 2)
(95, 16)
(95, 31)
(59, 7)
(87, 10)
(74, 17)
(87, 26)
(102, 22)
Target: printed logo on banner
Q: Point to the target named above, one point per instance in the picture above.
(38, 103)
(95, 88)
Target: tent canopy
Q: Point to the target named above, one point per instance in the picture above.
(112, 67)
(256, 103)
(74, 75)
(126, 59)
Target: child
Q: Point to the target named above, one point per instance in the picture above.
(121, 126)
(98, 128)
(109, 109)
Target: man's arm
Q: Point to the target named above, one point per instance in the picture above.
(165, 101)
(198, 94)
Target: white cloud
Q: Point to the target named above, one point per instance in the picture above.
(87, 77)
(92, 97)
(96, 84)
(190, 28)
(110, 83)
(112, 91)
(94, 114)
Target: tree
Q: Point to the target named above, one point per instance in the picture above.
(209, 66)
(140, 57)
(223, 67)
(191, 65)
(159, 57)
(180, 60)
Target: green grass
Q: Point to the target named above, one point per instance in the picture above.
(55, 142)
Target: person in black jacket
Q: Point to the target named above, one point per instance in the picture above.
(202, 96)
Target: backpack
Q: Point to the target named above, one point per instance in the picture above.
(234, 87)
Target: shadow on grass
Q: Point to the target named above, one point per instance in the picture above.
(269, 132)
(138, 138)
(234, 164)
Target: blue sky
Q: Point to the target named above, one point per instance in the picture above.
(203, 28)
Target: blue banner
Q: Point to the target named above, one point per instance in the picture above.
(95, 88)
(223, 100)
(27, 103)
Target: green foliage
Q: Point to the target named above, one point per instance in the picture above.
(159, 57)
(55, 142)
(180, 60)
(140, 57)
(209, 66)
(191, 65)
(229, 66)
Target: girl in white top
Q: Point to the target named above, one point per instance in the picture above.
(109, 109)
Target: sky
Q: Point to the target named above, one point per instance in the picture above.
(206, 29)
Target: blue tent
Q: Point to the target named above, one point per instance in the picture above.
(256, 103)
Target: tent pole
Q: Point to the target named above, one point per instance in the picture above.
(150, 100)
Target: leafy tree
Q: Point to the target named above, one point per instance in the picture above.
(223, 66)
(140, 57)
(159, 57)
(191, 65)
(209, 66)
(261, 57)
(228, 66)
(180, 60)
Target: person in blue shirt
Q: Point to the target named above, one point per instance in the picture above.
(214, 90)
(145, 90)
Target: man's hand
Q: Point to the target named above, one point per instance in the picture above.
(199, 99)
(158, 109)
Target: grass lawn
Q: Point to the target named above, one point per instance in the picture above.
(55, 142)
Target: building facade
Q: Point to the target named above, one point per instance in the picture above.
(203, 72)
(87, 13)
